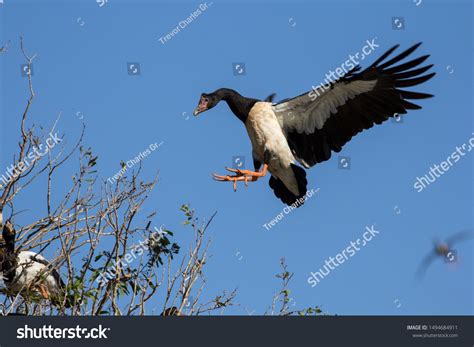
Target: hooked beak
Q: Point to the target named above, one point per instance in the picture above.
(202, 105)
(199, 109)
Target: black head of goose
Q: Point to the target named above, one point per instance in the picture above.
(306, 129)
(9, 235)
(239, 104)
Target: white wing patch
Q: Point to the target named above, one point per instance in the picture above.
(305, 114)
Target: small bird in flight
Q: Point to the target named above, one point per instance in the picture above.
(306, 129)
(444, 250)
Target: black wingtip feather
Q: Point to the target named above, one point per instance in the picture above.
(413, 81)
(406, 66)
(413, 95)
(385, 55)
(410, 106)
(413, 73)
(401, 56)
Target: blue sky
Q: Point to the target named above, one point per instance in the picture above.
(287, 46)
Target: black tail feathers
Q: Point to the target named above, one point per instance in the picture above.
(284, 194)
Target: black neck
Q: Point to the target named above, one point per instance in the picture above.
(10, 246)
(238, 104)
(9, 236)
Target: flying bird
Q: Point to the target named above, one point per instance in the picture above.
(26, 271)
(444, 250)
(306, 129)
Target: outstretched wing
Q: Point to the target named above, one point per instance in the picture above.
(324, 119)
(425, 263)
(460, 237)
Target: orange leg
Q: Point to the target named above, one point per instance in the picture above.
(44, 291)
(257, 174)
(241, 175)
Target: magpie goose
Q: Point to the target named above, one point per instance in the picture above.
(28, 272)
(307, 128)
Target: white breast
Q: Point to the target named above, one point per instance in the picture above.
(266, 135)
(29, 272)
